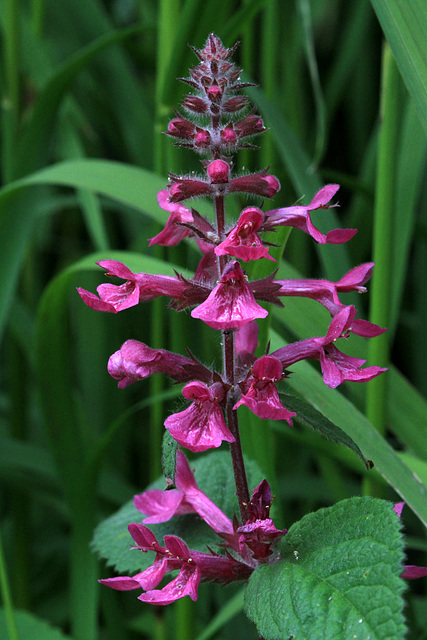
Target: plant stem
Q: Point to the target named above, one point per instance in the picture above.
(238, 463)
(10, 101)
(229, 370)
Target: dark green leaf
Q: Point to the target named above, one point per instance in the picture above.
(308, 415)
(28, 626)
(338, 577)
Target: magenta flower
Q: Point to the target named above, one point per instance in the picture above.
(201, 426)
(259, 531)
(161, 506)
(231, 304)
(181, 223)
(261, 396)
(336, 366)
(243, 242)
(139, 287)
(193, 566)
(410, 571)
(299, 216)
(246, 338)
(174, 230)
(326, 293)
(135, 361)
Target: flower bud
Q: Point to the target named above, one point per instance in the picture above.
(218, 172)
(214, 93)
(249, 126)
(260, 183)
(183, 188)
(228, 135)
(202, 139)
(194, 103)
(273, 185)
(181, 128)
(237, 103)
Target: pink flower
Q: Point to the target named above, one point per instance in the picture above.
(201, 426)
(174, 555)
(299, 216)
(161, 506)
(246, 339)
(410, 571)
(259, 531)
(174, 231)
(193, 566)
(181, 223)
(243, 242)
(326, 293)
(336, 366)
(262, 397)
(135, 361)
(231, 304)
(139, 287)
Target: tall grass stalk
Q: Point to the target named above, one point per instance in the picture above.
(384, 223)
(11, 97)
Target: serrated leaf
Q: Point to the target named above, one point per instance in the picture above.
(169, 449)
(214, 476)
(308, 415)
(338, 577)
(29, 626)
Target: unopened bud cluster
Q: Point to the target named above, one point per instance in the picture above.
(215, 82)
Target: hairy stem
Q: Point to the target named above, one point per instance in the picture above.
(229, 369)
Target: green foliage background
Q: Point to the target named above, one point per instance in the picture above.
(87, 88)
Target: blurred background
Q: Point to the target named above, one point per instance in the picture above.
(87, 89)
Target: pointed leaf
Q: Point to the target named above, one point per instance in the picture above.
(310, 416)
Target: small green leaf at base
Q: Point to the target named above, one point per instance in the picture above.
(338, 577)
(169, 449)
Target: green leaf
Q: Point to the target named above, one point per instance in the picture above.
(405, 27)
(33, 143)
(232, 607)
(169, 449)
(310, 416)
(338, 577)
(214, 476)
(28, 626)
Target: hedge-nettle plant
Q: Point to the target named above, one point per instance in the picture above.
(330, 575)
